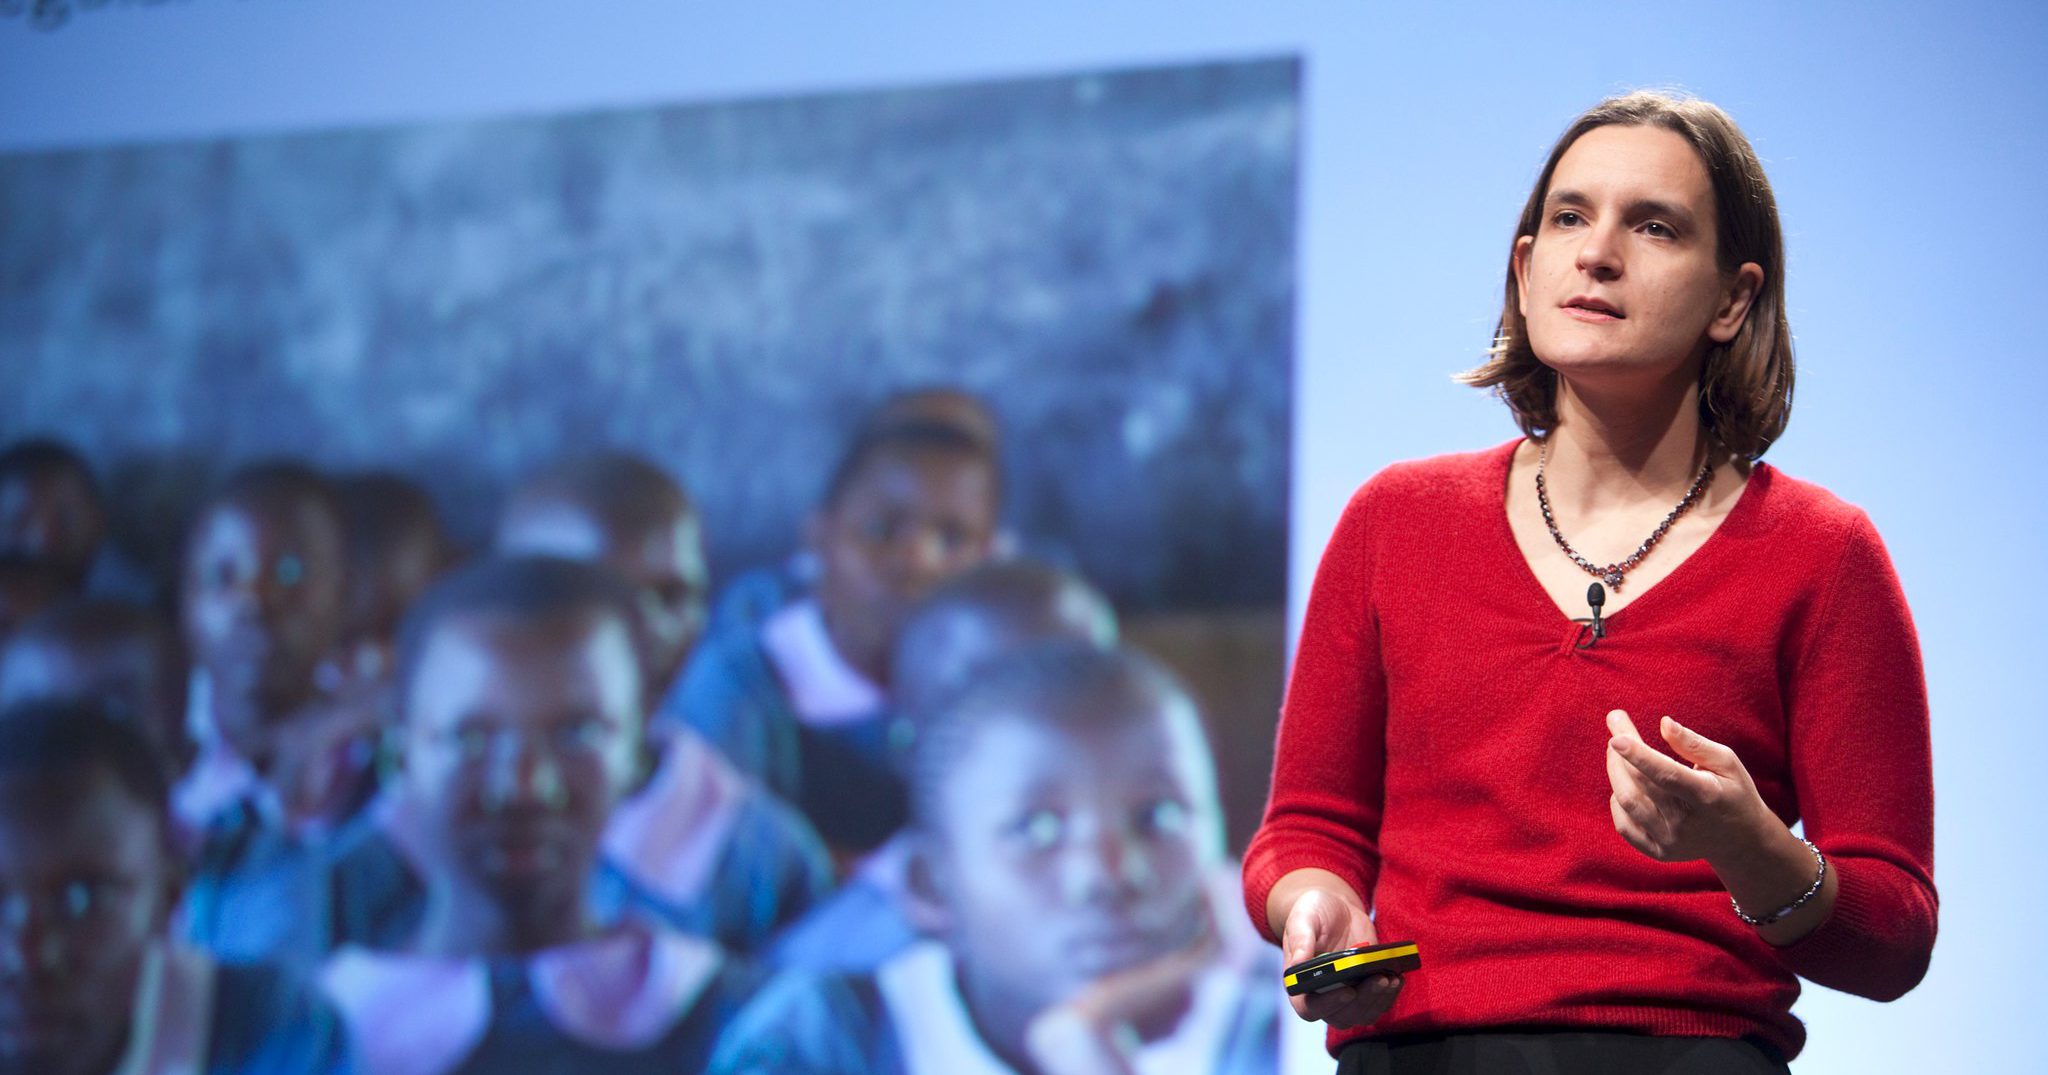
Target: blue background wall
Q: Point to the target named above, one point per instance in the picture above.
(1908, 145)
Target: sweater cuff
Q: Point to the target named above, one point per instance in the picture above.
(1262, 872)
(1873, 944)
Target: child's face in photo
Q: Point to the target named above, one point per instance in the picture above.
(908, 521)
(263, 599)
(84, 891)
(52, 517)
(1067, 853)
(663, 563)
(379, 593)
(520, 735)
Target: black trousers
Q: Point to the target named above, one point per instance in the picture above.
(1558, 1052)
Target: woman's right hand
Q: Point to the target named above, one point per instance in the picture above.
(1321, 914)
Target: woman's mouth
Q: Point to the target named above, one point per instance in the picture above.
(1587, 308)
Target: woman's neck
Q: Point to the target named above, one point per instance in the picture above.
(461, 920)
(1621, 448)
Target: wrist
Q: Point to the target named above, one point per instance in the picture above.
(1774, 870)
(1763, 918)
(1758, 839)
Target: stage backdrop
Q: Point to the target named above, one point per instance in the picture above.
(1106, 258)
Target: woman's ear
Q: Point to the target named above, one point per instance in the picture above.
(927, 887)
(1518, 264)
(1741, 295)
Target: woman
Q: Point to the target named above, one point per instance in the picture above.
(1582, 812)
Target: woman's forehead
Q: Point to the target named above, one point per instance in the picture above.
(1631, 161)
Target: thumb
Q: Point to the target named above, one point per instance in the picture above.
(1698, 749)
(1307, 927)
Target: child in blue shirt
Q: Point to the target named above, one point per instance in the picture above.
(965, 624)
(520, 711)
(798, 700)
(699, 845)
(90, 981)
(1066, 864)
(283, 764)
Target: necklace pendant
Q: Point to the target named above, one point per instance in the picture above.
(1612, 579)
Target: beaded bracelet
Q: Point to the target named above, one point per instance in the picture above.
(1781, 912)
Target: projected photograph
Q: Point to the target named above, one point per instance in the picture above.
(840, 536)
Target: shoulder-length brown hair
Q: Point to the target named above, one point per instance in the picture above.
(1746, 383)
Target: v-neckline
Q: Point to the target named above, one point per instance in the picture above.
(1739, 510)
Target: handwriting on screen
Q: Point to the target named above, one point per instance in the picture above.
(48, 15)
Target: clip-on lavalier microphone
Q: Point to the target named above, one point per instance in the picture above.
(1596, 596)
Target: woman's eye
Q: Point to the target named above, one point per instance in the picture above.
(76, 900)
(1659, 230)
(289, 571)
(1567, 219)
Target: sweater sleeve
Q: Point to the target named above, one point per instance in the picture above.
(1863, 772)
(1329, 764)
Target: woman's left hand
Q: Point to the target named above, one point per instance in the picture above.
(1711, 810)
(1675, 813)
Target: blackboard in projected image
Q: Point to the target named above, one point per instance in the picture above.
(1107, 257)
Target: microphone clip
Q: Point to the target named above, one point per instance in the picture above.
(1596, 596)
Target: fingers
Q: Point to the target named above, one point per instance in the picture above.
(1656, 769)
(1628, 745)
(1621, 776)
(1320, 922)
(1351, 1005)
(1639, 823)
(1698, 749)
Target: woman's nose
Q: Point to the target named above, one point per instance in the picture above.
(1599, 254)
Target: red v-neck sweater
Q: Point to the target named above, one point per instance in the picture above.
(1442, 749)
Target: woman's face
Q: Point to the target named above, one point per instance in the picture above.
(1622, 278)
